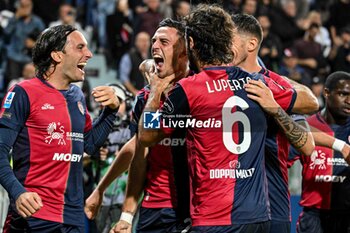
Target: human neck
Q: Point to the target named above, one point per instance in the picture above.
(250, 65)
(57, 83)
(179, 75)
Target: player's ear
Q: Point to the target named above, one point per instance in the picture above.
(56, 56)
(191, 42)
(252, 44)
(326, 92)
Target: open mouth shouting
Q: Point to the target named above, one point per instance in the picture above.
(159, 61)
(81, 66)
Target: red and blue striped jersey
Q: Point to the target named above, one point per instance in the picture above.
(276, 158)
(167, 173)
(225, 139)
(326, 175)
(53, 131)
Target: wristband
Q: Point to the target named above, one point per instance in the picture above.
(338, 145)
(127, 217)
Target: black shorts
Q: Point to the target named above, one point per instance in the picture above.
(316, 221)
(262, 227)
(279, 227)
(16, 224)
(161, 220)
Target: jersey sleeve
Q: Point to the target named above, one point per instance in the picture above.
(293, 156)
(13, 115)
(15, 109)
(175, 106)
(279, 79)
(285, 97)
(101, 127)
(138, 107)
(88, 121)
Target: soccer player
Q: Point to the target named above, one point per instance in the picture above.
(46, 123)
(326, 174)
(247, 39)
(162, 173)
(227, 172)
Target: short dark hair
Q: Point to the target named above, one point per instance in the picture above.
(333, 79)
(211, 28)
(52, 39)
(248, 24)
(179, 26)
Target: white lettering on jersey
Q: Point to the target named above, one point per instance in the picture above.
(231, 173)
(172, 142)
(191, 123)
(336, 162)
(67, 157)
(329, 178)
(47, 106)
(226, 84)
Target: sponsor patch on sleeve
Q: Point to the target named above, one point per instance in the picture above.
(8, 99)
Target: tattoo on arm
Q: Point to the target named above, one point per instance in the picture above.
(296, 134)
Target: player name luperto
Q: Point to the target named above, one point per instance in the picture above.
(226, 84)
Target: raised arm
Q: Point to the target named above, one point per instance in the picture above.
(95, 136)
(297, 135)
(149, 137)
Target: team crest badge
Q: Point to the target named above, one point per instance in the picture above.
(55, 131)
(81, 107)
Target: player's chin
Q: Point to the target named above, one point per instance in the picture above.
(161, 73)
(346, 112)
(79, 78)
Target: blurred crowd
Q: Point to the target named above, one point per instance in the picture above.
(303, 39)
